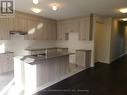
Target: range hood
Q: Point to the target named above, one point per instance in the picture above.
(13, 32)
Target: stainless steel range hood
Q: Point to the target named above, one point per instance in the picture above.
(13, 32)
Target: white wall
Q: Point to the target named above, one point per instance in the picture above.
(118, 40)
(74, 43)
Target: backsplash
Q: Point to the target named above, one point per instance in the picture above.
(17, 44)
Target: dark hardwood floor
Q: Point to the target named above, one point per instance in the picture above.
(103, 79)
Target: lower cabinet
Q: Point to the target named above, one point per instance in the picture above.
(6, 62)
(83, 58)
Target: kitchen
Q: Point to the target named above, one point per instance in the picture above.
(48, 42)
(27, 34)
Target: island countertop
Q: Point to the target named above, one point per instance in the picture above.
(35, 59)
(36, 49)
(32, 72)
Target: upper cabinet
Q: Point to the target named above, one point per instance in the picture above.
(4, 29)
(64, 28)
(84, 29)
(39, 29)
(80, 25)
(36, 28)
(20, 22)
(61, 31)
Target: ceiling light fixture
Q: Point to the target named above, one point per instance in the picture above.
(36, 10)
(124, 10)
(54, 6)
(35, 1)
(124, 19)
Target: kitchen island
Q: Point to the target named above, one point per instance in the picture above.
(34, 71)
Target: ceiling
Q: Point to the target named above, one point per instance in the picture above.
(73, 8)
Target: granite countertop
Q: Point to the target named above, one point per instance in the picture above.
(45, 48)
(32, 59)
(85, 50)
(6, 52)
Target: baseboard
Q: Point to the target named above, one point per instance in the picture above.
(103, 62)
(118, 57)
(113, 59)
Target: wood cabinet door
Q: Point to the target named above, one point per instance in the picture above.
(19, 22)
(75, 26)
(9, 62)
(4, 29)
(37, 27)
(40, 30)
(59, 31)
(6, 61)
(49, 31)
(44, 31)
(64, 30)
(84, 29)
(31, 29)
(80, 58)
(66, 27)
(72, 26)
(53, 31)
(11, 23)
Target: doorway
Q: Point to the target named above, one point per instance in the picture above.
(99, 41)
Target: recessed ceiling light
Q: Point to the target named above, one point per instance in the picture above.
(124, 19)
(36, 10)
(124, 10)
(35, 1)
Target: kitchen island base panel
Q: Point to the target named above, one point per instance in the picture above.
(72, 71)
(34, 76)
(52, 70)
